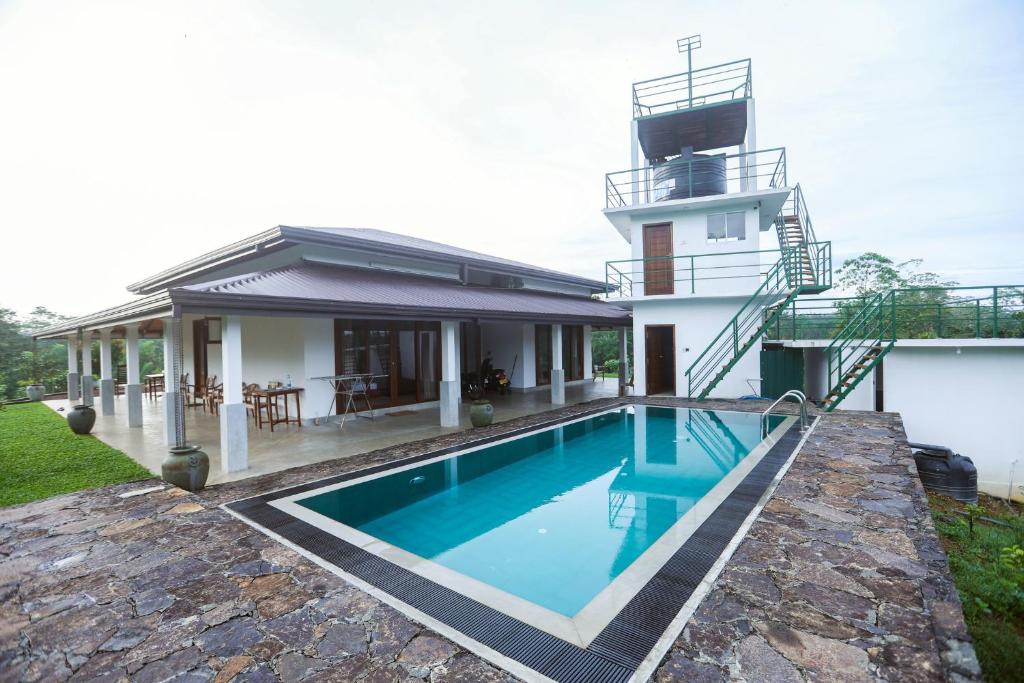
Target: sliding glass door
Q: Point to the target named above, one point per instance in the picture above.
(402, 357)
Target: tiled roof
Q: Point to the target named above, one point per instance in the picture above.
(308, 286)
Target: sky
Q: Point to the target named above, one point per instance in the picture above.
(135, 135)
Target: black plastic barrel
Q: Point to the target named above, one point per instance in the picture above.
(699, 175)
(945, 472)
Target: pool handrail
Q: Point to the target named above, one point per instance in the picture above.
(799, 397)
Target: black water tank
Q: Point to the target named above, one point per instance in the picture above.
(943, 471)
(696, 175)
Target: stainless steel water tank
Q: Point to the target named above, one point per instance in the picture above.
(698, 175)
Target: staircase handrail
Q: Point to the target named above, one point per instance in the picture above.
(879, 310)
(771, 284)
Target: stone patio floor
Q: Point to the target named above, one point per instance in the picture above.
(840, 578)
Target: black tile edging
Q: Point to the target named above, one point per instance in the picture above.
(617, 651)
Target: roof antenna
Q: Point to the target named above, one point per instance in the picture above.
(688, 45)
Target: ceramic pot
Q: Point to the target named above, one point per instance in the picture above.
(481, 413)
(35, 392)
(81, 418)
(186, 467)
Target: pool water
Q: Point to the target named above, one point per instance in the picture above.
(552, 516)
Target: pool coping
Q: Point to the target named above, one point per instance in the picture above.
(628, 645)
(583, 627)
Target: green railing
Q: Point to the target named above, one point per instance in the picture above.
(701, 87)
(740, 333)
(796, 205)
(860, 346)
(688, 274)
(682, 178)
(711, 273)
(921, 313)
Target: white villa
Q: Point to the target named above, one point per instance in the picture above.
(293, 304)
(723, 294)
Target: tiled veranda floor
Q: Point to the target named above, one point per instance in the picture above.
(291, 446)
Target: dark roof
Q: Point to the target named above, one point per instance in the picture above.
(140, 309)
(315, 288)
(359, 239)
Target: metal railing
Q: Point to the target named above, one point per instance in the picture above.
(792, 394)
(744, 329)
(920, 313)
(859, 346)
(684, 178)
(688, 90)
(708, 273)
(683, 274)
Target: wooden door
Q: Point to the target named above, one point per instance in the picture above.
(661, 353)
(658, 262)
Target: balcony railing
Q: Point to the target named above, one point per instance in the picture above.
(697, 176)
(723, 273)
(920, 313)
(710, 85)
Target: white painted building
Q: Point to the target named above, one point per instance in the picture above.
(721, 310)
(291, 305)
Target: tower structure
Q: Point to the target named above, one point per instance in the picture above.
(703, 281)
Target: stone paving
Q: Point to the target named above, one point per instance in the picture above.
(840, 578)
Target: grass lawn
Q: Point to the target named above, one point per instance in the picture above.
(41, 457)
(988, 567)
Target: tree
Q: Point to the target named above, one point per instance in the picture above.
(23, 362)
(871, 273)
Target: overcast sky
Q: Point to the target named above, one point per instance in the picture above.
(134, 135)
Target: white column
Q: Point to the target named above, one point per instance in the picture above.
(557, 372)
(74, 390)
(87, 380)
(751, 146)
(623, 361)
(588, 353)
(133, 389)
(318, 361)
(106, 374)
(450, 389)
(634, 137)
(234, 420)
(170, 385)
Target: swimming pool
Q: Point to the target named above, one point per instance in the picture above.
(563, 529)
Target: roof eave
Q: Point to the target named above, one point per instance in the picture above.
(248, 304)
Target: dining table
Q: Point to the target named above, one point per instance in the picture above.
(154, 384)
(266, 400)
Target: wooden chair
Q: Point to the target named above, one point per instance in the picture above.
(252, 406)
(120, 379)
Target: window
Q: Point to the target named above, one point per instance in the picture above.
(727, 227)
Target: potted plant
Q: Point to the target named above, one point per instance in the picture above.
(81, 419)
(36, 390)
(186, 467)
(481, 412)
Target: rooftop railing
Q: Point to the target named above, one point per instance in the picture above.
(722, 273)
(919, 312)
(697, 176)
(697, 88)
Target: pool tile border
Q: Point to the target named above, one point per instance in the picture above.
(616, 653)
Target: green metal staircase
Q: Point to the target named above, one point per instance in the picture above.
(859, 347)
(784, 282)
(805, 267)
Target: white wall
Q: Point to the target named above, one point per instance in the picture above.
(972, 402)
(506, 341)
(318, 361)
(696, 322)
(689, 236)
